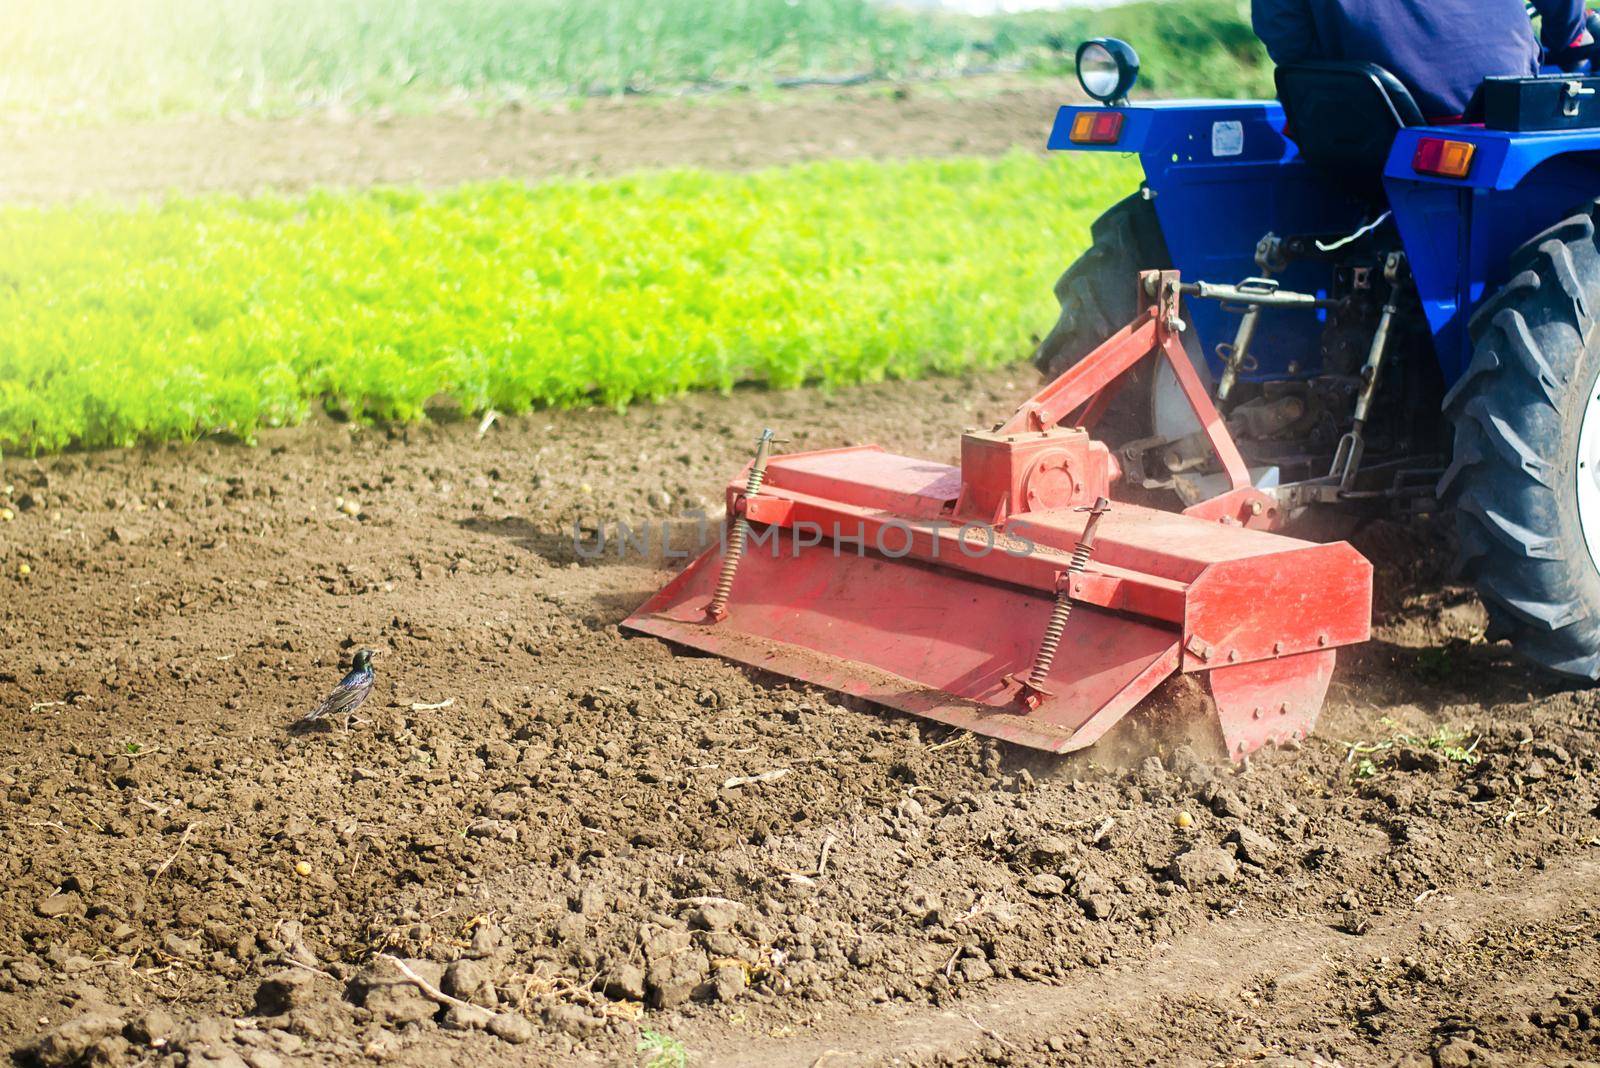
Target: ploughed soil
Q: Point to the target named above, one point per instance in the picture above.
(556, 825)
(545, 821)
(984, 116)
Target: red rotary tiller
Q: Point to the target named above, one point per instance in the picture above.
(1006, 595)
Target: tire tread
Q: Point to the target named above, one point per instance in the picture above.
(1531, 344)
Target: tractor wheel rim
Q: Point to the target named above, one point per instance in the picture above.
(1586, 473)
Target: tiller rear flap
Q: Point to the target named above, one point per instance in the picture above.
(1007, 595)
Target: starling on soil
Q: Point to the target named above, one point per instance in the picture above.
(346, 697)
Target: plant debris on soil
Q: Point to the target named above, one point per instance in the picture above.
(555, 843)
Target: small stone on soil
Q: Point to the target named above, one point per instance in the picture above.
(183, 948)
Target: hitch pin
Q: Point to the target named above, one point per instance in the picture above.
(717, 607)
(1032, 691)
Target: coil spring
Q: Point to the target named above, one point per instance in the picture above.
(1045, 658)
(736, 539)
(1052, 638)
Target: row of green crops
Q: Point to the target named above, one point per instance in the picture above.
(221, 314)
(90, 59)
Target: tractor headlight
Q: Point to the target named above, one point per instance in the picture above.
(1107, 69)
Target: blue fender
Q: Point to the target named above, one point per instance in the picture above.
(1459, 233)
(1222, 173)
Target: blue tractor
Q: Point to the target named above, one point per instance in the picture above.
(1391, 315)
(1318, 305)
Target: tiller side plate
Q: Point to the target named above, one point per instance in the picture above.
(1003, 596)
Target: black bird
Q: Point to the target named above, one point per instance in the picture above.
(346, 697)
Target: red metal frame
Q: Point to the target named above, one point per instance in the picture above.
(1087, 388)
(1158, 329)
(927, 587)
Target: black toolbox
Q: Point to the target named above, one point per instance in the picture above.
(1548, 102)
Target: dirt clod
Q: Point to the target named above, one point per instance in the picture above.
(713, 917)
(899, 879)
(512, 1027)
(1253, 847)
(392, 997)
(90, 1038)
(153, 1027)
(26, 971)
(1047, 885)
(673, 979)
(58, 905)
(1050, 850)
(469, 980)
(570, 1019)
(626, 983)
(466, 1018)
(1457, 1053)
(728, 981)
(1200, 865)
(284, 991)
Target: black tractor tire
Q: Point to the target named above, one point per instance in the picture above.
(1099, 295)
(1512, 478)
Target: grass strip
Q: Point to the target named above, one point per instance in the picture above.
(223, 314)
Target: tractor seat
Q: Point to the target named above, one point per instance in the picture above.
(1344, 116)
